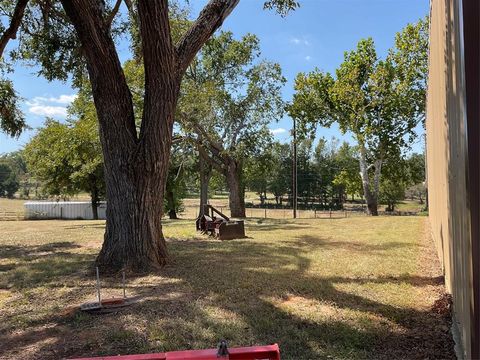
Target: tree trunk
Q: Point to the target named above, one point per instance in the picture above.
(172, 214)
(236, 193)
(94, 200)
(133, 238)
(370, 198)
(135, 164)
(205, 175)
(262, 199)
(376, 179)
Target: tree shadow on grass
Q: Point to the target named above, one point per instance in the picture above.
(262, 224)
(250, 279)
(248, 292)
(40, 265)
(31, 252)
(85, 226)
(314, 242)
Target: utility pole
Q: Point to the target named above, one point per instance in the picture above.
(294, 177)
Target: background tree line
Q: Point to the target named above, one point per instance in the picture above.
(328, 172)
(228, 98)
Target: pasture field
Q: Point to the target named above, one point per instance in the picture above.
(11, 209)
(15, 205)
(353, 288)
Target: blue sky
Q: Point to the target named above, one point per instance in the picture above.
(315, 35)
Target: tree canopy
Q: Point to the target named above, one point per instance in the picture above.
(228, 97)
(67, 159)
(379, 101)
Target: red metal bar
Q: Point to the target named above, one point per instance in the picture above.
(269, 352)
(157, 356)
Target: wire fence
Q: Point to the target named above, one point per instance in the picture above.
(191, 212)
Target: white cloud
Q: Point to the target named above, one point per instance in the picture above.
(278, 131)
(295, 41)
(47, 110)
(300, 41)
(62, 99)
(47, 106)
(308, 58)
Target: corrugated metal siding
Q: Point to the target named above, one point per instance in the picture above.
(63, 210)
(447, 159)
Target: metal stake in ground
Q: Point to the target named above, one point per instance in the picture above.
(98, 287)
(123, 284)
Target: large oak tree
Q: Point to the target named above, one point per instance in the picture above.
(67, 36)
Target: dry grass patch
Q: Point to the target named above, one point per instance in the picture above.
(345, 288)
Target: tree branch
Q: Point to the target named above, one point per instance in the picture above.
(157, 46)
(114, 12)
(129, 5)
(210, 159)
(159, 61)
(209, 20)
(11, 32)
(177, 139)
(105, 72)
(202, 132)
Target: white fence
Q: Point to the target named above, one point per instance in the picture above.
(63, 210)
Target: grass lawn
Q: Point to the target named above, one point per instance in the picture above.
(343, 288)
(11, 205)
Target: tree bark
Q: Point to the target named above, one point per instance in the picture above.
(172, 213)
(94, 198)
(236, 195)
(376, 177)
(370, 197)
(205, 175)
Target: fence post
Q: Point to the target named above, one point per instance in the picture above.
(330, 213)
(315, 213)
(265, 213)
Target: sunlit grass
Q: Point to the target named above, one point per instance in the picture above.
(340, 288)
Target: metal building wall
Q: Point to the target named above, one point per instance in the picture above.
(447, 159)
(63, 210)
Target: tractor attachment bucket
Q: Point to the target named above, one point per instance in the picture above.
(213, 222)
